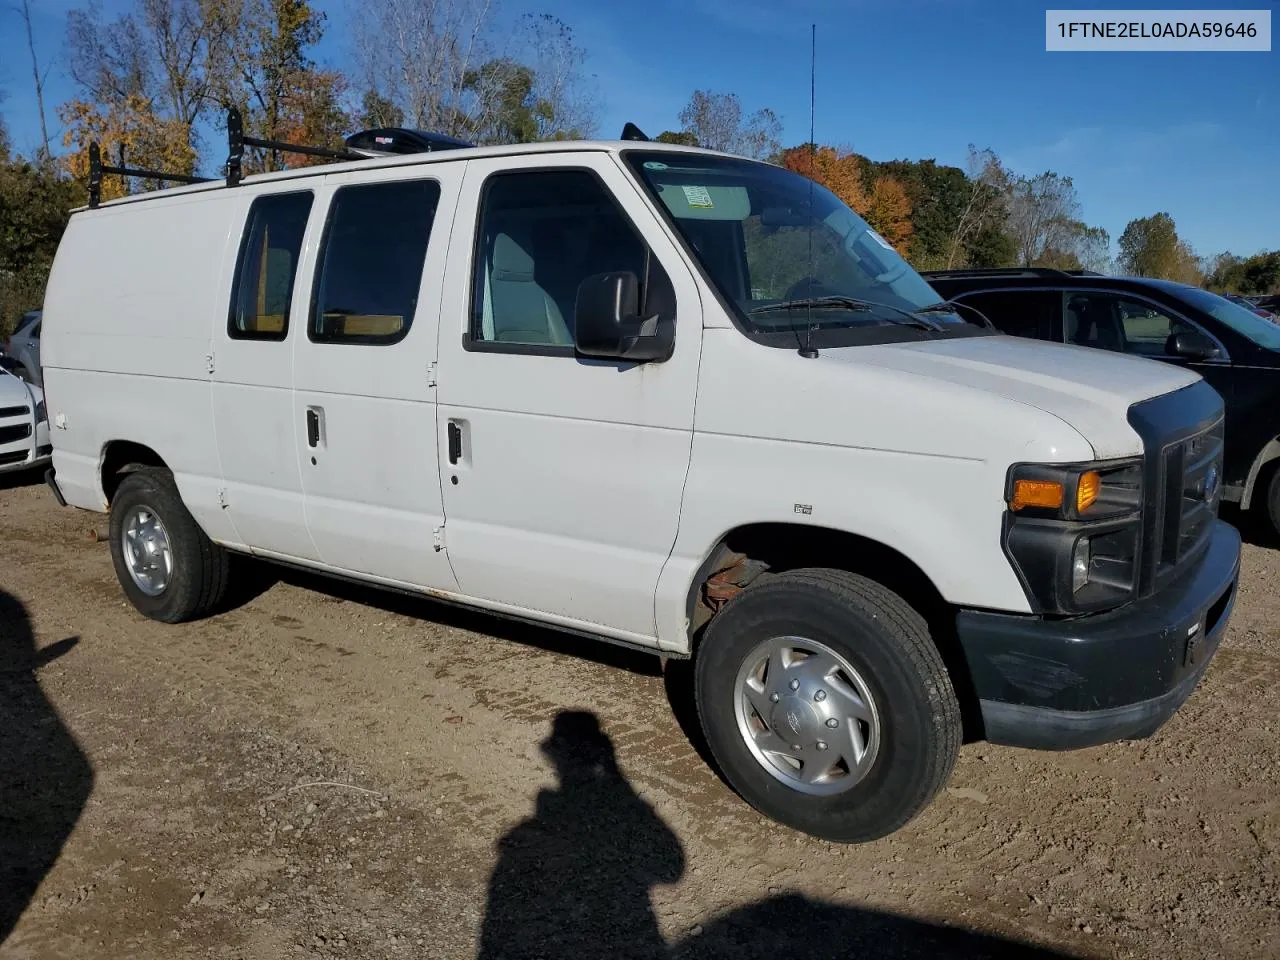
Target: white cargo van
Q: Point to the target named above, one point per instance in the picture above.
(662, 397)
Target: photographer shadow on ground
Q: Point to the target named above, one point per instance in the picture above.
(572, 882)
(45, 778)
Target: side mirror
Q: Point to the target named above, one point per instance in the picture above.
(606, 321)
(1191, 344)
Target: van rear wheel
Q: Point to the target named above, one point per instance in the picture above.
(827, 705)
(169, 569)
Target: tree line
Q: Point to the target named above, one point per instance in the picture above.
(153, 86)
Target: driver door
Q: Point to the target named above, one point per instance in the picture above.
(562, 476)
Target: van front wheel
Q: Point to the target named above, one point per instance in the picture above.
(169, 569)
(827, 705)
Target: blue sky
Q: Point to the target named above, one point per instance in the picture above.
(1195, 134)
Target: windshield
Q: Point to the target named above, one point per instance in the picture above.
(1240, 319)
(776, 245)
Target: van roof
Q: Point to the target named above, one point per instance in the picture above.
(414, 159)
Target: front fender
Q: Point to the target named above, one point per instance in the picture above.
(942, 513)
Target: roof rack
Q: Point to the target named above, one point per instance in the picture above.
(97, 168)
(237, 141)
(386, 141)
(1010, 272)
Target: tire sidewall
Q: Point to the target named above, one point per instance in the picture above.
(1273, 499)
(146, 488)
(911, 721)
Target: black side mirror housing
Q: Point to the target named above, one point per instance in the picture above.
(607, 321)
(1191, 344)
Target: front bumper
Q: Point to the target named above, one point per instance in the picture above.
(1118, 675)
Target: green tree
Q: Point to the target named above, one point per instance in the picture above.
(378, 111)
(990, 247)
(681, 137)
(35, 202)
(1261, 273)
(937, 194)
(1149, 246)
(268, 62)
(1224, 273)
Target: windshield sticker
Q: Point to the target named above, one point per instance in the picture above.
(698, 197)
(880, 240)
(654, 165)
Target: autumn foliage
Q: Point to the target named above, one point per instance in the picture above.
(883, 202)
(149, 141)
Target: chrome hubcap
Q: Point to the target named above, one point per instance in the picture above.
(806, 715)
(145, 545)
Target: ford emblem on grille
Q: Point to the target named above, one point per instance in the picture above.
(1211, 483)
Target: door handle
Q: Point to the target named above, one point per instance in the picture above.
(455, 441)
(313, 426)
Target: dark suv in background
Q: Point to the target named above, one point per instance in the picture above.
(1234, 349)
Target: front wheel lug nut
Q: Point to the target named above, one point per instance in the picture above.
(795, 684)
(821, 745)
(774, 698)
(833, 723)
(820, 695)
(797, 747)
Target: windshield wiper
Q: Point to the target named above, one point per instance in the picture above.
(953, 306)
(906, 319)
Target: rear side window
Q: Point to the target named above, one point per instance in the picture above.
(371, 259)
(1018, 313)
(267, 267)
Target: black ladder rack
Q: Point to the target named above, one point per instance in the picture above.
(237, 141)
(381, 142)
(97, 168)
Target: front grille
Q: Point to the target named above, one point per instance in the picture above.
(18, 456)
(1182, 479)
(15, 411)
(1192, 473)
(12, 434)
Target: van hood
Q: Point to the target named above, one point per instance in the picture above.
(1089, 389)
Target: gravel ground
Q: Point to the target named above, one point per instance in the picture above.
(326, 771)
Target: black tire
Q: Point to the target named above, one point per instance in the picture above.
(1272, 476)
(198, 581)
(888, 643)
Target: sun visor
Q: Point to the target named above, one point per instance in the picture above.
(688, 201)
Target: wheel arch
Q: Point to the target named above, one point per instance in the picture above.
(122, 457)
(746, 553)
(1269, 453)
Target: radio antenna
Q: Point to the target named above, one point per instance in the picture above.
(807, 350)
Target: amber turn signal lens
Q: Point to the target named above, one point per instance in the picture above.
(1087, 491)
(1036, 493)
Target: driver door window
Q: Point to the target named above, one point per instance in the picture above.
(541, 234)
(1123, 324)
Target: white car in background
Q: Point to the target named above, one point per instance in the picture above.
(24, 426)
(23, 348)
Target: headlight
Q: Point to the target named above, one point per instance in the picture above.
(1073, 533)
(41, 413)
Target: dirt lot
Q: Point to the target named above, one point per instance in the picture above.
(331, 772)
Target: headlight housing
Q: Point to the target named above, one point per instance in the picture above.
(42, 414)
(1073, 533)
